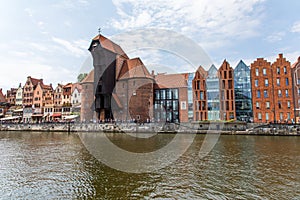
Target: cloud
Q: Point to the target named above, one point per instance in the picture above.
(76, 48)
(208, 18)
(275, 37)
(296, 27)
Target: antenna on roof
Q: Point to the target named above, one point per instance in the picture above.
(99, 31)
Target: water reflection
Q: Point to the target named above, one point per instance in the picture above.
(57, 166)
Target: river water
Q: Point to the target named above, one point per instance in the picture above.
(58, 166)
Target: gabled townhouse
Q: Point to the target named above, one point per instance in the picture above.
(227, 102)
(3, 104)
(28, 91)
(272, 91)
(19, 96)
(76, 98)
(296, 89)
(11, 96)
(43, 96)
(58, 93)
(200, 95)
(66, 99)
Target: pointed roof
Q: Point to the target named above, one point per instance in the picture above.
(108, 45)
(296, 64)
(201, 72)
(134, 68)
(2, 97)
(68, 85)
(76, 86)
(241, 66)
(225, 66)
(35, 81)
(171, 80)
(89, 78)
(212, 71)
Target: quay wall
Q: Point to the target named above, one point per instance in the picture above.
(228, 128)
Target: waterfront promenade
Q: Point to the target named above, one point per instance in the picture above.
(234, 128)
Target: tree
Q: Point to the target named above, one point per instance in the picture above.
(81, 76)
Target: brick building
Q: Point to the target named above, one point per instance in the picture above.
(272, 90)
(200, 95)
(87, 98)
(133, 94)
(296, 88)
(227, 102)
(11, 96)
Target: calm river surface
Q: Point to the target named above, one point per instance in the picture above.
(58, 166)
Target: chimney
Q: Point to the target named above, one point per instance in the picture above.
(152, 73)
(280, 55)
(299, 59)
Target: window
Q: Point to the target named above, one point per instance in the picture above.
(259, 116)
(256, 82)
(266, 82)
(286, 93)
(278, 81)
(281, 116)
(284, 70)
(258, 94)
(267, 116)
(279, 93)
(288, 104)
(201, 95)
(266, 93)
(257, 105)
(288, 116)
(264, 71)
(286, 81)
(278, 70)
(298, 81)
(256, 72)
(279, 104)
(299, 91)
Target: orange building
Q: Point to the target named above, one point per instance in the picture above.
(272, 91)
(227, 104)
(11, 96)
(296, 88)
(200, 95)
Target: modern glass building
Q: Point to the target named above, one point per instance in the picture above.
(166, 105)
(242, 90)
(213, 94)
(190, 96)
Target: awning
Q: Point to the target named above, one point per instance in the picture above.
(37, 115)
(117, 100)
(71, 116)
(56, 115)
(10, 118)
(18, 110)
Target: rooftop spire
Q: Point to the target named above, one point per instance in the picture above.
(99, 30)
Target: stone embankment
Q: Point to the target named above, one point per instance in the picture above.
(233, 128)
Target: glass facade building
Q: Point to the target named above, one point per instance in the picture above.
(166, 105)
(242, 89)
(213, 94)
(190, 96)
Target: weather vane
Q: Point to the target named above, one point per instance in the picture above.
(99, 31)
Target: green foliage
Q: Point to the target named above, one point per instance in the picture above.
(81, 76)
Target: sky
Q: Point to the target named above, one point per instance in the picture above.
(50, 39)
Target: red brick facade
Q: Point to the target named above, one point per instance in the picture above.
(272, 94)
(227, 104)
(200, 95)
